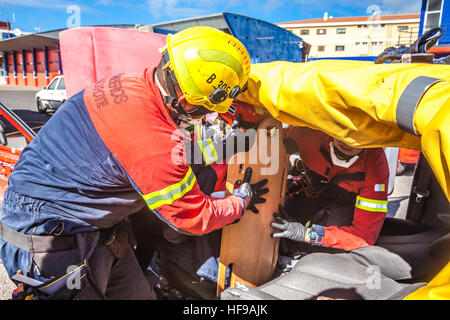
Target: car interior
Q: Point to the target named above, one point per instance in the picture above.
(408, 254)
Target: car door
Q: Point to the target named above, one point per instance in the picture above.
(50, 95)
(60, 92)
(9, 155)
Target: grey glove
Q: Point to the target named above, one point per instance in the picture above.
(252, 192)
(289, 230)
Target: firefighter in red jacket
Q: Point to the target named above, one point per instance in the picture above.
(340, 190)
(109, 152)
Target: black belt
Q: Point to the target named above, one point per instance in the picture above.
(34, 243)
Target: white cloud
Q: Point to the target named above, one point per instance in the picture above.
(400, 6)
(180, 8)
(48, 4)
(39, 4)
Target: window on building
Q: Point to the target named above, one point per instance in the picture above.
(433, 14)
(362, 28)
(321, 48)
(374, 48)
(321, 31)
(362, 47)
(304, 32)
(341, 30)
(402, 28)
(340, 48)
(434, 5)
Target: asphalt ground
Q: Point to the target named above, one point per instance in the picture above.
(22, 102)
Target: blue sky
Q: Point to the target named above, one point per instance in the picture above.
(32, 15)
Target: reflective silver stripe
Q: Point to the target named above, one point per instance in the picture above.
(409, 100)
(371, 205)
(17, 239)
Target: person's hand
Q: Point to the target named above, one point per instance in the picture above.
(288, 230)
(252, 193)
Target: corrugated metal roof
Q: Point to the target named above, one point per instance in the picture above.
(215, 20)
(27, 42)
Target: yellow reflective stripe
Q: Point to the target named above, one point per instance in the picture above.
(171, 193)
(371, 204)
(198, 136)
(204, 152)
(201, 145)
(212, 150)
(208, 150)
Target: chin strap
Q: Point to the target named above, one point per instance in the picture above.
(171, 98)
(341, 162)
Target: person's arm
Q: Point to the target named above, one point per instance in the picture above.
(370, 210)
(139, 133)
(364, 111)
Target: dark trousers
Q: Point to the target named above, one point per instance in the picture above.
(118, 278)
(101, 265)
(87, 265)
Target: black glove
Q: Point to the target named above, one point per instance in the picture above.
(252, 192)
(289, 230)
(420, 46)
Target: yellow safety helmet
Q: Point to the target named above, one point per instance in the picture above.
(211, 66)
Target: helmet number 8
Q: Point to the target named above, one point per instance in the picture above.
(221, 83)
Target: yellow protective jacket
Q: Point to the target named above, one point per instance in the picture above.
(365, 105)
(436, 289)
(359, 103)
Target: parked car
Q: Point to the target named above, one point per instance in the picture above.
(52, 96)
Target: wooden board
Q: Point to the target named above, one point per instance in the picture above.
(247, 246)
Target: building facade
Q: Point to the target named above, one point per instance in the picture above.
(355, 37)
(34, 59)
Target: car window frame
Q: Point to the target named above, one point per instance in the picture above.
(61, 80)
(56, 80)
(17, 123)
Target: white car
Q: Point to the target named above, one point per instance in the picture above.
(52, 96)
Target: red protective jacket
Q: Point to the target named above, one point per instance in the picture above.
(129, 114)
(371, 189)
